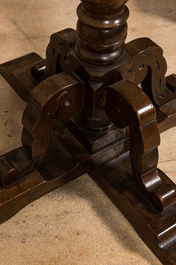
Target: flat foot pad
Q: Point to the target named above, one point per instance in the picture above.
(18, 74)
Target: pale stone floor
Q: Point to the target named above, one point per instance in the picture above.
(76, 224)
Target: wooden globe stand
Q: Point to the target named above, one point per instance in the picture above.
(96, 105)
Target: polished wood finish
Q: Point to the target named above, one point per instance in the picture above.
(96, 105)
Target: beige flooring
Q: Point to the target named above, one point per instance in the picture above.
(76, 224)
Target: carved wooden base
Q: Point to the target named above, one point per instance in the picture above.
(66, 159)
(96, 106)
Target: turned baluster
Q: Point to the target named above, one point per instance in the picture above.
(100, 48)
(101, 30)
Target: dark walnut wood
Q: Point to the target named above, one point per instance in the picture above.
(96, 105)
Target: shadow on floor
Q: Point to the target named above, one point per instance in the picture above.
(162, 8)
(86, 188)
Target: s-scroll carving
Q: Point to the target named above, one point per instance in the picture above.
(128, 105)
(61, 94)
(57, 51)
(148, 68)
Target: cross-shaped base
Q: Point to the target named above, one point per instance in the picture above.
(96, 106)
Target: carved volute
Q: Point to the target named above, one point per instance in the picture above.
(101, 31)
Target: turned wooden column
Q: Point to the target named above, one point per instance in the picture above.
(101, 32)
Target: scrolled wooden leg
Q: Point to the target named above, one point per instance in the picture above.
(60, 93)
(127, 105)
(57, 51)
(149, 68)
